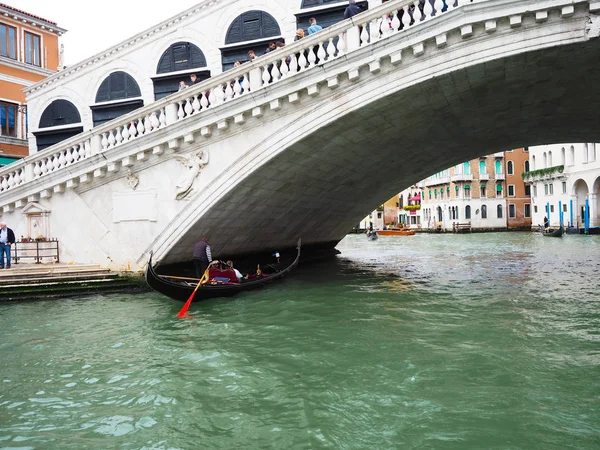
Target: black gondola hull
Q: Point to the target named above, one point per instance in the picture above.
(181, 290)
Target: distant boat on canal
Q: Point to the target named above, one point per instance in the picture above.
(395, 231)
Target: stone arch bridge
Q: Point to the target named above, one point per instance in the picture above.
(305, 141)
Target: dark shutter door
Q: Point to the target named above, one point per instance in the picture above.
(104, 113)
(250, 26)
(164, 86)
(311, 3)
(325, 18)
(118, 90)
(59, 112)
(45, 139)
(181, 56)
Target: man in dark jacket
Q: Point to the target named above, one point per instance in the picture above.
(202, 256)
(352, 9)
(7, 238)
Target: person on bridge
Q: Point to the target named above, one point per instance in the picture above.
(314, 28)
(202, 256)
(7, 238)
(352, 9)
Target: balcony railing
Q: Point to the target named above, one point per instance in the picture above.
(462, 177)
(500, 176)
(484, 176)
(437, 181)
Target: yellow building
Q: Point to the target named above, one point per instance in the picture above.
(29, 52)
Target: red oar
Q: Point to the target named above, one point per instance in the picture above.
(181, 313)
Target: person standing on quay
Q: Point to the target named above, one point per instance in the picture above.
(202, 256)
(7, 238)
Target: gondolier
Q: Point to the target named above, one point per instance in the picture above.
(202, 256)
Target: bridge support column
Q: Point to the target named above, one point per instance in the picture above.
(593, 205)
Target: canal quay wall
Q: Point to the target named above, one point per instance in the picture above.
(47, 281)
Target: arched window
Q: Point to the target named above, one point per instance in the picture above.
(467, 212)
(549, 159)
(584, 153)
(545, 160)
(59, 112)
(482, 169)
(467, 168)
(532, 162)
(510, 168)
(252, 30)
(483, 211)
(401, 202)
(118, 87)
(526, 166)
(185, 59)
(499, 211)
(440, 214)
(572, 155)
(181, 56)
(251, 26)
(563, 160)
(498, 167)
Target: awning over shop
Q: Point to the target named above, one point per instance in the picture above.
(467, 186)
(5, 160)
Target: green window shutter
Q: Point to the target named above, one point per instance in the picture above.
(457, 187)
(499, 188)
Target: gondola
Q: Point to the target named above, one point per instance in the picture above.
(556, 233)
(180, 288)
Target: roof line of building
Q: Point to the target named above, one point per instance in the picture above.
(168, 23)
(25, 13)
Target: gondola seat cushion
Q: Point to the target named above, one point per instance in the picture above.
(224, 276)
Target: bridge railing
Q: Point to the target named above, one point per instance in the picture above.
(361, 30)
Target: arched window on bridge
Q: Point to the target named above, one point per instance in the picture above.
(252, 30)
(499, 211)
(467, 212)
(483, 211)
(510, 168)
(184, 58)
(118, 94)
(60, 120)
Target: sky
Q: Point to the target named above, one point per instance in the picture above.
(94, 26)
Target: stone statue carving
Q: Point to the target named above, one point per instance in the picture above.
(133, 179)
(193, 162)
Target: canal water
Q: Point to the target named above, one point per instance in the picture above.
(429, 342)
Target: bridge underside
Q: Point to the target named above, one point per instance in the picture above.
(324, 184)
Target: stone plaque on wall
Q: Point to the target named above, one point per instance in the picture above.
(134, 206)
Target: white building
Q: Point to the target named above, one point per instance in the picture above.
(565, 177)
(205, 40)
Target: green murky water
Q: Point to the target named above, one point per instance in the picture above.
(430, 341)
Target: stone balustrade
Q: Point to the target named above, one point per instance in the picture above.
(352, 34)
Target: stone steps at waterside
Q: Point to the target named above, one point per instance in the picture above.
(35, 282)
